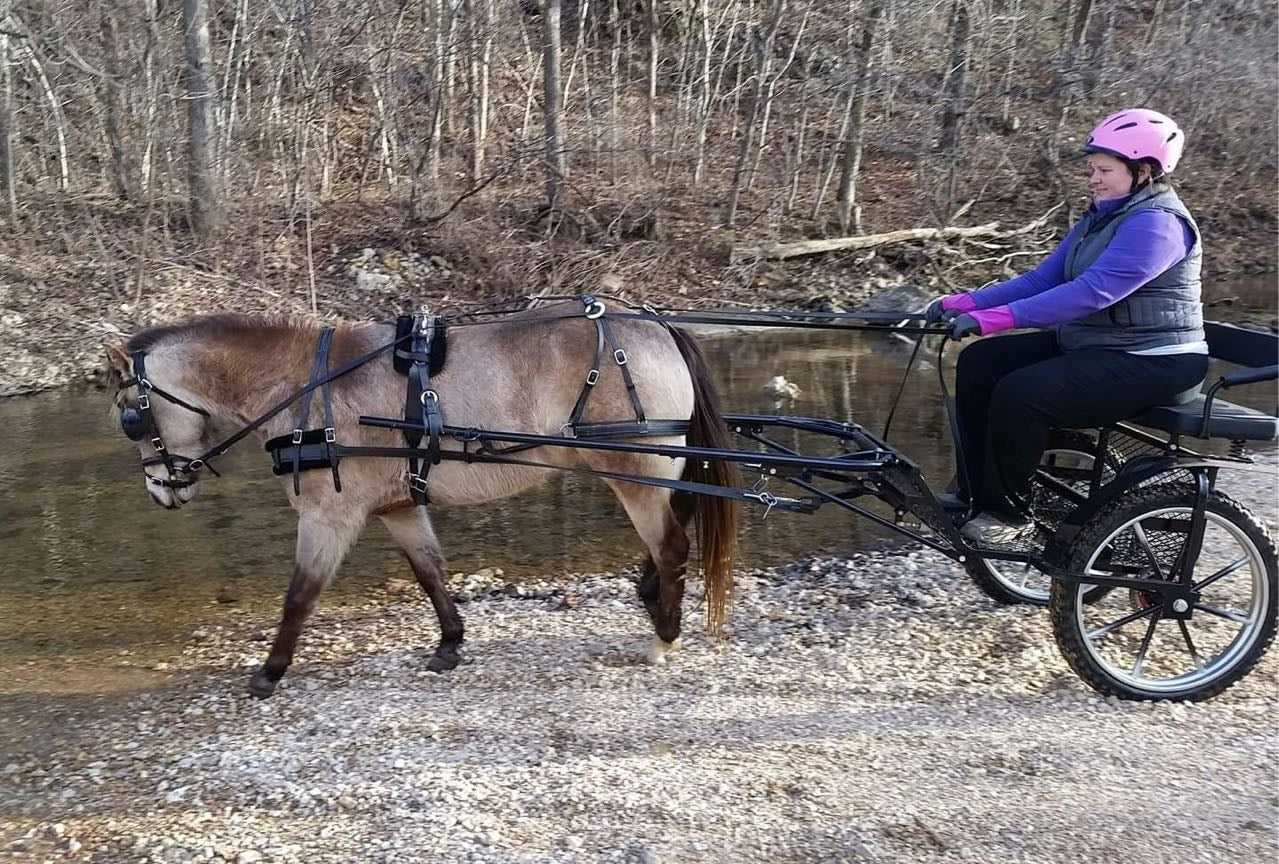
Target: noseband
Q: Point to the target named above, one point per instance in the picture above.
(139, 423)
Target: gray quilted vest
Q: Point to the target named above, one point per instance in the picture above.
(1165, 311)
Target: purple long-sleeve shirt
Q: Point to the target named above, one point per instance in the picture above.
(1144, 245)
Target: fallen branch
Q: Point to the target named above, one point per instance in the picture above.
(866, 241)
(836, 244)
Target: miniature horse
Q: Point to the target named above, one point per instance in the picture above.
(521, 372)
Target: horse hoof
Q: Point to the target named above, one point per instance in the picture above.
(442, 662)
(261, 686)
(659, 649)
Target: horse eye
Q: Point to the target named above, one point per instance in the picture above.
(133, 424)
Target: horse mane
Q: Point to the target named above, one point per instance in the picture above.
(222, 324)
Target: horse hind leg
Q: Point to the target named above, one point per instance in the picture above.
(412, 530)
(660, 521)
(321, 546)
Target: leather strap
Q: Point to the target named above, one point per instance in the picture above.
(422, 407)
(319, 366)
(593, 309)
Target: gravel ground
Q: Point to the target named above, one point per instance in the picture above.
(868, 709)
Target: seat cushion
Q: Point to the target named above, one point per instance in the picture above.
(1228, 420)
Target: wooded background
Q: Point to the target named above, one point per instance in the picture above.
(131, 128)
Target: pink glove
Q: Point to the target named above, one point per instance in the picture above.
(958, 303)
(993, 320)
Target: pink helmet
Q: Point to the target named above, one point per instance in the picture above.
(1139, 133)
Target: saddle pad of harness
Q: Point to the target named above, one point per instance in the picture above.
(439, 344)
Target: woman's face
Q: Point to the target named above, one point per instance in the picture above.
(1108, 176)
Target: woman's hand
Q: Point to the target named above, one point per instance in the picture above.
(936, 311)
(963, 326)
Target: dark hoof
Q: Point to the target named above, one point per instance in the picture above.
(443, 661)
(260, 685)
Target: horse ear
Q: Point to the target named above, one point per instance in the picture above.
(118, 365)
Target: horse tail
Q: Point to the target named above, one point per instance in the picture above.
(715, 517)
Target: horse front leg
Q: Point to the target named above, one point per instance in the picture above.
(412, 530)
(322, 543)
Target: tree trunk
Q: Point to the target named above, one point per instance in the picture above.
(480, 41)
(849, 212)
(113, 113)
(654, 27)
(553, 98)
(952, 126)
(8, 182)
(763, 56)
(205, 203)
(1067, 85)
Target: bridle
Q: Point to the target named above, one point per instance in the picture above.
(139, 423)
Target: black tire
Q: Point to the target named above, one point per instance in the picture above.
(1123, 537)
(1011, 583)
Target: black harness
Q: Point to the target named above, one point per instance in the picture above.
(307, 449)
(425, 335)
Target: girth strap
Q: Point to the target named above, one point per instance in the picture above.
(319, 370)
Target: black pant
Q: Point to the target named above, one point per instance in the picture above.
(1011, 391)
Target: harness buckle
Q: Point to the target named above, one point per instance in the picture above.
(157, 444)
(429, 394)
(594, 309)
(297, 436)
(620, 356)
(567, 430)
(144, 401)
(330, 435)
(195, 465)
(592, 377)
(416, 482)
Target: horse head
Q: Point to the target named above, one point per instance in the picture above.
(162, 415)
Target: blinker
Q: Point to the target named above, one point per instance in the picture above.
(134, 424)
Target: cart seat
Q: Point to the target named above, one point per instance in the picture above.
(1257, 352)
(1228, 420)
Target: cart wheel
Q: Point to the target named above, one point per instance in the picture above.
(1070, 457)
(1119, 641)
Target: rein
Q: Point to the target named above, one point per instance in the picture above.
(182, 471)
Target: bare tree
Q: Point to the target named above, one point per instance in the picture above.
(955, 100)
(479, 51)
(850, 215)
(1066, 86)
(113, 109)
(553, 97)
(654, 51)
(8, 182)
(762, 55)
(205, 204)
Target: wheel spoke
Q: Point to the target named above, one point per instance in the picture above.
(1228, 614)
(1150, 553)
(1145, 643)
(1224, 571)
(1190, 643)
(1025, 576)
(1127, 619)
